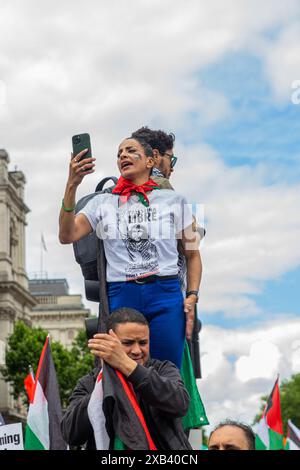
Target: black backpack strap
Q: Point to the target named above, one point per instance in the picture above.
(103, 304)
(103, 182)
(101, 268)
(99, 190)
(194, 346)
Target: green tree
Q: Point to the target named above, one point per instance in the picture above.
(24, 349)
(205, 437)
(289, 400)
(25, 345)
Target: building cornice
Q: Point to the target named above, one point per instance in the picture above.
(58, 308)
(18, 292)
(58, 313)
(9, 189)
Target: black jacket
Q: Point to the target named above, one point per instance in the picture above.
(161, 395)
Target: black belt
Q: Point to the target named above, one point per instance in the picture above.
(152, 278)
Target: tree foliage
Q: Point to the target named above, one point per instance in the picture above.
(204, 437)
(24, 348)
(289, 400)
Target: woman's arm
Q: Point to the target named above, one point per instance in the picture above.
(71, 227)
(191, 252)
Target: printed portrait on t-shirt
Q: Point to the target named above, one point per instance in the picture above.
(141, 251)
(133, 226)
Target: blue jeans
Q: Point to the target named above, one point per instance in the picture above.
(161, 302)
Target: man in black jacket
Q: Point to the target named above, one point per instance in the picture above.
(159, 389)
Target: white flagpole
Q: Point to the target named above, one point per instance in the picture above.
(41, 258)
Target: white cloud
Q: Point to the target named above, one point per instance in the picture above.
(262, 362)
(243, 366)
(114, 66)
(282, 62)
(212, 362)
(295, 357)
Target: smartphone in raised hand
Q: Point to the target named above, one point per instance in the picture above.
(81, 142)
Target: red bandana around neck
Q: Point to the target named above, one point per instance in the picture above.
(126, 187)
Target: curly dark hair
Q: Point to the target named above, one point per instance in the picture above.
(159, 139)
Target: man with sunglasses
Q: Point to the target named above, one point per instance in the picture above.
(162, 145)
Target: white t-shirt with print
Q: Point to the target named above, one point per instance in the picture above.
(139, 240)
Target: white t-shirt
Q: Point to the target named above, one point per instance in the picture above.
(138, 240)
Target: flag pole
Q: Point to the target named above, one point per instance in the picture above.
(31, 371)
(43, 247)
(41, 259)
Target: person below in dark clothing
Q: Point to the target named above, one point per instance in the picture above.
(159, 389)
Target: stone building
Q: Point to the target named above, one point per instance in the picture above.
(58, 312)
(16, 301)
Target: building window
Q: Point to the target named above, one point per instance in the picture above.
(13, 237)
(71, 334)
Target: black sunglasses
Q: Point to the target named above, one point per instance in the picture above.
(172, 158)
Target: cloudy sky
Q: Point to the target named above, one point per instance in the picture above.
(225, 78)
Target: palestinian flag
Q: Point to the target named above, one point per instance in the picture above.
(293, 437)
(269, 432)
(196, 415)
(29, 383)
(96, 415)
(115, 414)
(44, 414)
(2, 422)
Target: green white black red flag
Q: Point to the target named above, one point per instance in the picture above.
(44, 414)
(269, 432)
